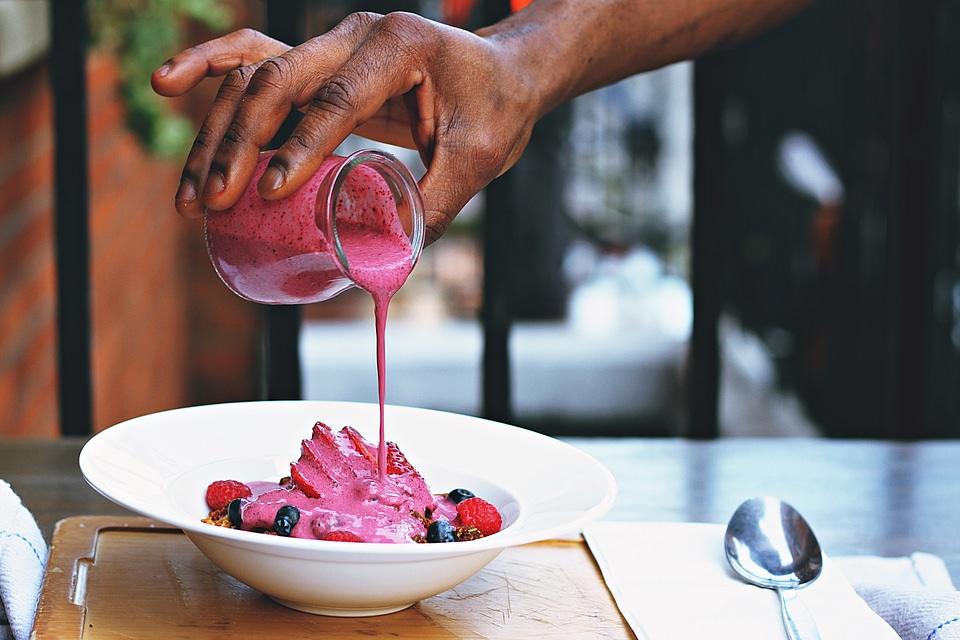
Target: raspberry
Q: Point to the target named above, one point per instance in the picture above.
(342, 536)
(481, 514)
(222, 492)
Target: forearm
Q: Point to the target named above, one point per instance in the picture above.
(569, 47)
(468, 102)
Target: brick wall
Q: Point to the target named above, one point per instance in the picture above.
(27, 298)
(165, 331)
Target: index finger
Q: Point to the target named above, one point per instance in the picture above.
(214, 58)
(279, 85)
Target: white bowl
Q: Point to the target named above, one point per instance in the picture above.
(160, 464)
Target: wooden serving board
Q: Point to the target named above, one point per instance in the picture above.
(111, 577)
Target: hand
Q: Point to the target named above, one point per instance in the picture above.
(454, 96)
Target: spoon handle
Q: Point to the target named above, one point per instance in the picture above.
(797, 619)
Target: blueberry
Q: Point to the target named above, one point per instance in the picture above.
(233, 512)
(459, 495)
(286, 519)
(441, 531)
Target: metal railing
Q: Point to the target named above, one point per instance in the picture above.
(913, 220)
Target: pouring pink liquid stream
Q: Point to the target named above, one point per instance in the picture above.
(282, 253)
(380, 268)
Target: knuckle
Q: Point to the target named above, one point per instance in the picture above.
(437, 224)
(247, 34)
(335, 96)
(405, 32)
(235, 135)
(235, 83)
(301, 141)
(238, 77)
(359, 21)
(402, 22)
(270, 75)
(204, 141)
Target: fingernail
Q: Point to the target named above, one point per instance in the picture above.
(187, 191)
(272, 179)
(163, 69)
(215, 184)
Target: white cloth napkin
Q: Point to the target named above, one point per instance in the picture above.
(914, 594)
(23, 557)
(671, 580)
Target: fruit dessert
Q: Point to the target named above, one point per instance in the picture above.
(335, 491)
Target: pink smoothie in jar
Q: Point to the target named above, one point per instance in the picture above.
(357, 222)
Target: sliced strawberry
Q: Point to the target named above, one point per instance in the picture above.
(397, 463)
(342, 536)
(321, 465)
(323, 432)
(220, 493)
(481, 514)
(302, 483)
(361, 445)
(332, 460)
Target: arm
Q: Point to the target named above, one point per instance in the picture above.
(466, 101)
(575, 46)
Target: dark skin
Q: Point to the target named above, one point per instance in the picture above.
(466, 101)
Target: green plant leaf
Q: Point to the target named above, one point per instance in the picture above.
(142, 34)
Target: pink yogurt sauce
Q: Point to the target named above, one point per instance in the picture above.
(349, 494)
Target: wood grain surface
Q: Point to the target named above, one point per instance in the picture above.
(135, 578)
(861, 496)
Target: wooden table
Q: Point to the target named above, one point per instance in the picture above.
(861, 497)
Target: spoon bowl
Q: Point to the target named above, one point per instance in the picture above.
(769, 544)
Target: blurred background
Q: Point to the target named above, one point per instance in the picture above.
(761, 243)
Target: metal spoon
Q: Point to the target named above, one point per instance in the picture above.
(769, 544)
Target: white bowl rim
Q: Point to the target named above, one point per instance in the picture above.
(96, 467)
